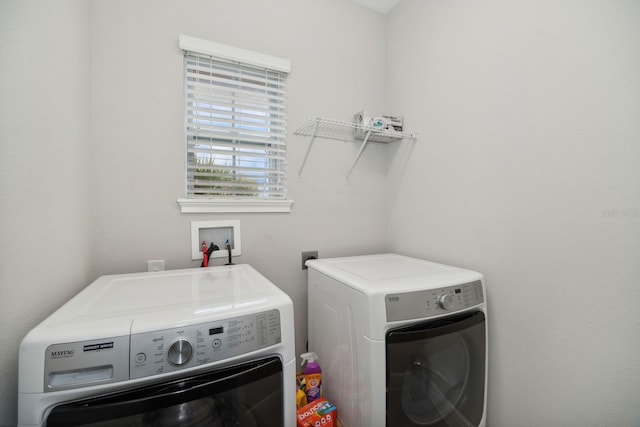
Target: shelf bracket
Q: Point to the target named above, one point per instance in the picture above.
(355, 161)
(306, 156)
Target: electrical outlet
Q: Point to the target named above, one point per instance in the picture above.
(308, 255)
(155, 265)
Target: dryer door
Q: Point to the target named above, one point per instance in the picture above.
(436, 372)
(242, 395)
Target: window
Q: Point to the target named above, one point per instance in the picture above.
(235, 129)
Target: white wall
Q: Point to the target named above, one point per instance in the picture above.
(138, 142)
(99, 132)
(527, 169)
(44, 157)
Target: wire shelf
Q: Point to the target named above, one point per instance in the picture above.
(347, 131)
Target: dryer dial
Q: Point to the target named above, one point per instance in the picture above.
(180, 352)
(445, 301)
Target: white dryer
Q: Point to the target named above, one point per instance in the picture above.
(401, 341)
(204, 346)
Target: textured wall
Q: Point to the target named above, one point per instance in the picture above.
(527, 170)
(138, 142)
(93, 146)
(44, 170)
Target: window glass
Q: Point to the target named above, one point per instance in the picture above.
(235, 125)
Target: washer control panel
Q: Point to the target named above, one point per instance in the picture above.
(167, 350)
(433, 302)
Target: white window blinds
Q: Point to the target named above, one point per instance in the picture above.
(235, 119)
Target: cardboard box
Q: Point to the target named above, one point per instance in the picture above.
(319, 413)
(364, 118)
(390, 129)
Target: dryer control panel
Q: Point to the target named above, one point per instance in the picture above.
(158, 352)
(433, 302)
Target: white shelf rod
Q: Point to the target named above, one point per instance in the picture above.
(355, 161)
(306, 156)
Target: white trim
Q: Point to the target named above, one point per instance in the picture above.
(222, 51)
(233, 206)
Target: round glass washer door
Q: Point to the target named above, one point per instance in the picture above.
(436, 380)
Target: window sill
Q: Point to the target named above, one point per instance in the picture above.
(234, 206)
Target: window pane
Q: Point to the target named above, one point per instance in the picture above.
(235, 120)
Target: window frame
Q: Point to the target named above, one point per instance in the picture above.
(192, 45)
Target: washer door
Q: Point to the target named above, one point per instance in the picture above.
(241, 395)
(206, 412)
(436, 373)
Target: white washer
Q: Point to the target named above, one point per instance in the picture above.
(401, 341)
(204, 346)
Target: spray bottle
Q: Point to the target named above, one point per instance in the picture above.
(312, 376)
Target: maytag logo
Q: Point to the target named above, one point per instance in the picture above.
(61, 354)
(393, 299)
